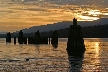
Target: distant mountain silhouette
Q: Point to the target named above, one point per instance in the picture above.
(96, 31)
(64, 24)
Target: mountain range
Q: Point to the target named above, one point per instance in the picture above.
(63, 24)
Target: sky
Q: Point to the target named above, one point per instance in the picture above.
(20, 14)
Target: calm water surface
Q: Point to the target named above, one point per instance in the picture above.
(46, 58)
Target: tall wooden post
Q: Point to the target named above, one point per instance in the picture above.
(8, 38)
(54, 39)
(37, 38)
(20, 38)
(14, 40)
(75, 44)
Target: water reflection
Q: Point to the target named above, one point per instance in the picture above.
(97, 49)
(55, 45)
(92, 61)
(75, 63)
(13, 57)
(37, 49)
(97, 55)
(20, 48)
(8, 43)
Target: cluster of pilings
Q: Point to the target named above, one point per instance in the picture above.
(37, 39)
(75, 44)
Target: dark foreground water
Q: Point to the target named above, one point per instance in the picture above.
(46, 58)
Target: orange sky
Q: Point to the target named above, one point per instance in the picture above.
(17, 14)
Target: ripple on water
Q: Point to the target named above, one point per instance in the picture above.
(44, 58)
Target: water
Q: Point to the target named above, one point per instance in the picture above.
(46, 58)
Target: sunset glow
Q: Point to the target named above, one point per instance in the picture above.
(19, 14)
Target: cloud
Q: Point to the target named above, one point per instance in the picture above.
(38, 12)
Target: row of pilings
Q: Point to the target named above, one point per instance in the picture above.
(37, 39)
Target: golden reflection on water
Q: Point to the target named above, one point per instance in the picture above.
(93, 56)
(97, 48)
(45, 58)
(41, 58)
(97, 55)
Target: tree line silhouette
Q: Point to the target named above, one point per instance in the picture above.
(97, 31)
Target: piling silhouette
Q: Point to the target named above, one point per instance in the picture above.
(8, 38)
(55, 46)
(14, 40)
(30, 40)
(37, 39)
(54, 37)
(75, 44)
(44, 40)
(20, 37)
(25, 40)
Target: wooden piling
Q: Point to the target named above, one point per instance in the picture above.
(8, 38)
(14, 40)
(20, 37)
(37, 38)
(25, 40)
(54, 37)
(75, 44)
